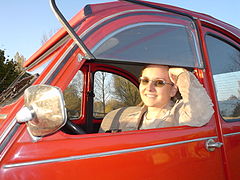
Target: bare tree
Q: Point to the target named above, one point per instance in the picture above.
(19, 59)
(73, 95)
(46, 36)
(102, 90)
(126, 92)
(112, 92)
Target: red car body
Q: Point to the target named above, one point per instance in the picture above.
(164, 153)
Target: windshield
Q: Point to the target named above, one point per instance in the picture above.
(17, 87)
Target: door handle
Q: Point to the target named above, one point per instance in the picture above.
(211, 145)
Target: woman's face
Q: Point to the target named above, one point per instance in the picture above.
(151, 95)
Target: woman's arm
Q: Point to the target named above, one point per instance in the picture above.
(196, 108)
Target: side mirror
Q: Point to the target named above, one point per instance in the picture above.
(44, 111)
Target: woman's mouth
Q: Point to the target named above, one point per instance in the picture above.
(150, 95)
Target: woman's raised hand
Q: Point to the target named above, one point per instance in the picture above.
(174, 73)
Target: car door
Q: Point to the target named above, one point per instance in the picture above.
(224, 56)
(167, 153)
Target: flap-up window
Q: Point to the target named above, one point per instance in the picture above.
(149, 38)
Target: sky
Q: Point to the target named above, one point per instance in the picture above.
(24, 23)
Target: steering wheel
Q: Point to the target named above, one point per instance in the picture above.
(72, 128)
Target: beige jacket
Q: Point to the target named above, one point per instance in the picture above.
(194, 109)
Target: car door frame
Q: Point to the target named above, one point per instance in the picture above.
(229, 132)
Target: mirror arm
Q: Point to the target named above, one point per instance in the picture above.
(34, 138)
(25, 114)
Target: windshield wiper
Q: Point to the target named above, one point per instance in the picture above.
(146, 4)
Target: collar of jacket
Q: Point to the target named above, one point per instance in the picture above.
(134, 119)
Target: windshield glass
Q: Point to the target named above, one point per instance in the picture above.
(17, 87)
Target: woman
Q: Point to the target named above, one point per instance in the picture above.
(158, 85)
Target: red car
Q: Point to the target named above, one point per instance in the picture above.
(72, 81)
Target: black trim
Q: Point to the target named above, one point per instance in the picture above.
(230, 120)
(89, 106)
(87, 10)
(222, 39)
(159, 8)
(67, 57)
(223, 32)
(9, 136)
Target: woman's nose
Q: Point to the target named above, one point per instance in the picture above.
(150, 86)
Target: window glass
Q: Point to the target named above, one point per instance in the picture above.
(20, 83)
(112, 92)
(73, 96)
(225, 63)
(152, 42)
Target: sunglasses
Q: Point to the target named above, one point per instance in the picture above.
(157, 82)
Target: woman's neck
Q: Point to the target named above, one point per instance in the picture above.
(156, 112)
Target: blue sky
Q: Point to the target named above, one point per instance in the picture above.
(24, 23)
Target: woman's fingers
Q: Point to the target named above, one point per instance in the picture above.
(174, 73)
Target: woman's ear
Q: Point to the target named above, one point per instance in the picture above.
(173, 90)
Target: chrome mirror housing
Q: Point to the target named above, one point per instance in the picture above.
(44, 111)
